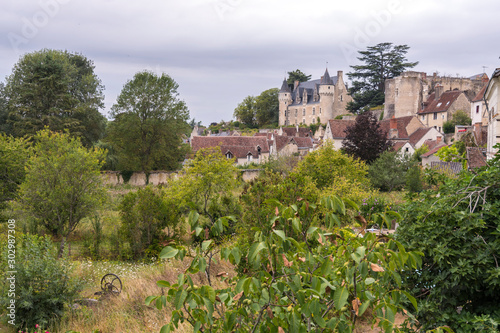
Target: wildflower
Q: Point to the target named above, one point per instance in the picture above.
(36, 326)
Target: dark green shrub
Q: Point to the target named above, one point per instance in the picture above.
(43, 287)
(448, 127)
(147, 217)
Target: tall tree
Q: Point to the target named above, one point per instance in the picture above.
(245, 111)
(381, 62)
(148, 121)
(297, 75)
(63, 183)
(58, 90)
(365, 139)
(267, 107)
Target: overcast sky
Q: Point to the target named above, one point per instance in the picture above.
(220, 51)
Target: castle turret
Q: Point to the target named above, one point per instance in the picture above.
(326, 92)
(285, 98)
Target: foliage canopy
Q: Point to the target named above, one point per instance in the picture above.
(148, 121)
(380, 62)
(58, 90)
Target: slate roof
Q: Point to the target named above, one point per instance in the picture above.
(285, 87)
(311, 86)
(445, 101)
(338, 127)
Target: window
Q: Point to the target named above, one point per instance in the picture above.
(285, 113)
(341, 98)
(314, 121)
(303, 120)
(442, 116)
(296, 112)
(435, 115)
(229, 155)
(407, 149)
(477, 108)
(314, 111)
(319, 110)
(303, 112)
(249, 157)
(423, 117)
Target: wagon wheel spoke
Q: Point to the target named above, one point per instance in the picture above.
(111, 283)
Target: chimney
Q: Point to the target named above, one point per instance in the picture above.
(438, 140)
(438, 89)
(478, 133)
(393, 129)
(339, 75)
(295, 84)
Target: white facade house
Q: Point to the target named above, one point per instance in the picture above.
(491, 98)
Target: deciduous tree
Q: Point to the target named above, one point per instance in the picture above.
(58, 90)
(365, 139)
(245, 111)
(63, 183)
(148, 121)
(380, 62)
(267, 107)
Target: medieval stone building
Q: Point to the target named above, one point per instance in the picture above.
(406, 94)
(313, 101)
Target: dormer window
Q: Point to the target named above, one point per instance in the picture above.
(259, 149)
(229, 155)
(249, 157)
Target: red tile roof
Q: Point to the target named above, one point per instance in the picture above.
(292, 131)
(402, 122)
(338, 127)
(239, 146)
(418, 134)
(475, 157)
(434, 150)
(445, 101)
(480, 95)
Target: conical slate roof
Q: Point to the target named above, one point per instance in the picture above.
(326, 79)
(285, 87)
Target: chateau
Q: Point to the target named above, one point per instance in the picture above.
(312, 101)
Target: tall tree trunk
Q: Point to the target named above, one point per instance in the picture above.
(61, 247)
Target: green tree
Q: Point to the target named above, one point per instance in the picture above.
(63, 184)
(302, 280)
(365, 139)
(458, 118)
(15, 153)
(388, 171)
(267, 107)
(324, 165)
(297, 75)
(5, 127)
(58, 90)
(148, 121)
(43, 287)
(457, 231)
(205, 183)
(380, 62)
(145, 215)
(245, 112)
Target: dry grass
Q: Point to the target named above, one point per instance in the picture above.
(128, 312)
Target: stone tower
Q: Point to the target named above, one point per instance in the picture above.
(285, 99)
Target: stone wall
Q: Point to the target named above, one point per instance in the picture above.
(114, 178)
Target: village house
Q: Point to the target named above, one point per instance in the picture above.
(406, 133)
(491, 98)
(313, 101)
(441, 105)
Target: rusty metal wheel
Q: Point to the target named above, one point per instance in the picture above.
(111, 283)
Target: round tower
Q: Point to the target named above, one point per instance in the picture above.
(326, 97)
(285, 99)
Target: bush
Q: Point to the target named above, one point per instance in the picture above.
(448, 127)
(43, 285)
(387, 172)
(145, 215)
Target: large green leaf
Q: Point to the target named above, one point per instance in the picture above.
(340, 297)
(168, 252)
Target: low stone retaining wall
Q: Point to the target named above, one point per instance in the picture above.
(160, 177)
